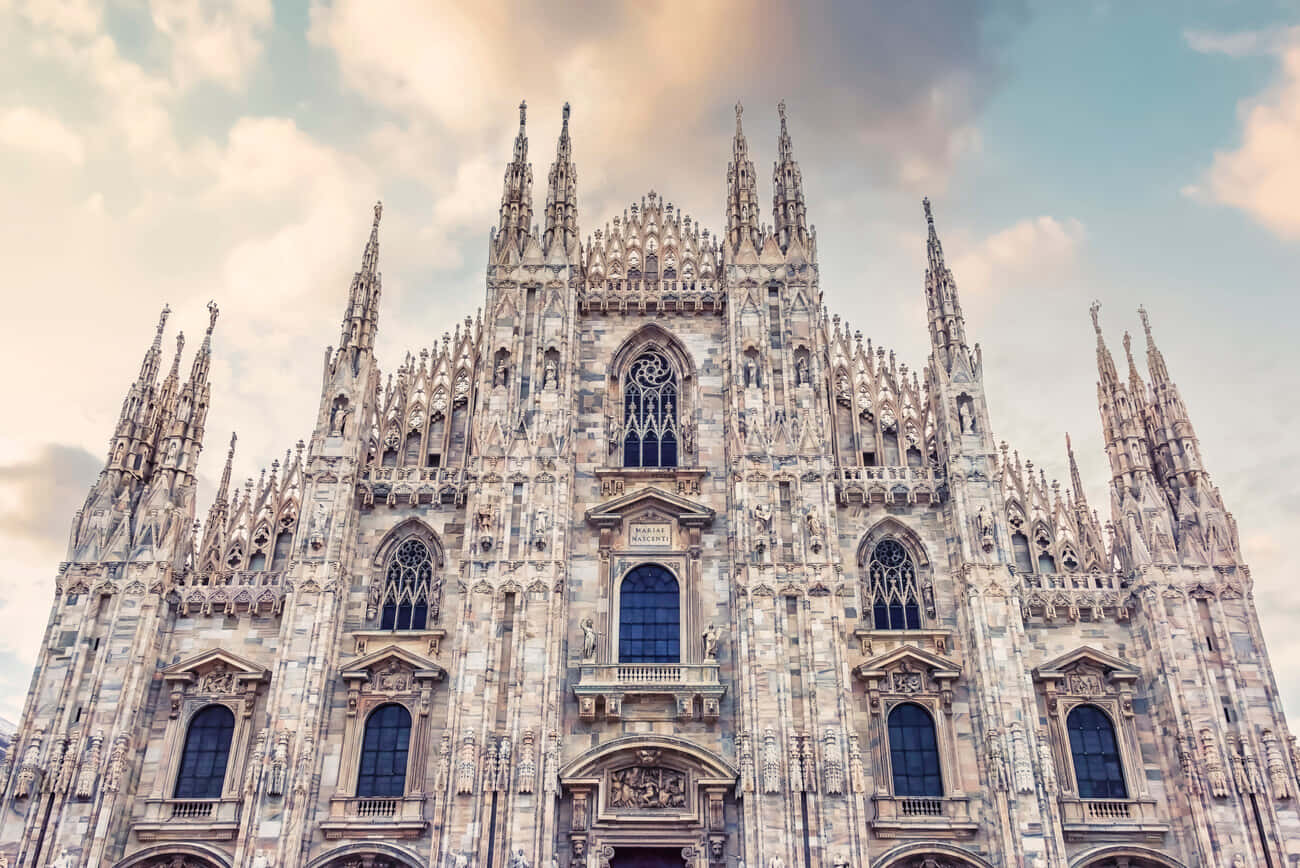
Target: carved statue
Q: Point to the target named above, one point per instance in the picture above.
(279, 766)
(64, 860)
(316, 534)
(985, 525)
(588, 640)
(762, 525)
(816, 531)
(339, 415)
(502, 372)
(751, 374)
(801, 374)
(541, 528)
(1215, 773)
(771, 763)
(967, 417)
(550, 375)
(711, 643)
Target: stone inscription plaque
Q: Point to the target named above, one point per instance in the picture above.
(650, 535)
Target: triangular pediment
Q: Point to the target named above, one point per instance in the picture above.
(215, 660)
(388, 658)
(910, 658)
(684, 510)
(1086, 657)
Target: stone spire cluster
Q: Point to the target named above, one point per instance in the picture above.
(789, 211)
(943, 307)
(562, 198)
(742, 195)
(361, 316)
(516, 218)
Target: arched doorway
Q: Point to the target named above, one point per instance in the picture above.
(930, 856)
(647, 857)
(176, 856)
(372, 855)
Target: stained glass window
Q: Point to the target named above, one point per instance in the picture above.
(383, 753)
(407, 587)
(650, 404)
(648, 620)
(894, 594)
(914, 753)
(1097, 767)
(207, 749)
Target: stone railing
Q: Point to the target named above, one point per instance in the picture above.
(390, 816)
(1103, 818)
(1094, 596)
(189, 819)
(651, 293)
(259, 592)
(602, 687)
(889, 485)
(900, 816)
(410, 486)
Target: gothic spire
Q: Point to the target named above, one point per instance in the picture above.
(219, 511)
(139, 406)
(517, 192)
(1173, 439)
(789, 211)
(947, 325)
(1076, 482)
(562, 196)
(361, 318)
(742, 193)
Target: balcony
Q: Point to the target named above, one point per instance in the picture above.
(410, 486)
(688, 684)
(376, 818)
(889, 485)
(904, 817)
(650, 293)
(189, 820)
(231, 592)
(1059, 597)
(1111, 820)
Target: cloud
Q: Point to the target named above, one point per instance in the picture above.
(41, 134)
(1027, 248)
(39, 494)
(1261, 176)
(212, 40)
(1245, 43)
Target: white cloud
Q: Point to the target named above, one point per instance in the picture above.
(1245, 43)
(1261, 176)
(1030, 247)
(39, 133)
(214, 40)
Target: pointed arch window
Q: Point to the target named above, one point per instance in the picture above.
(649, 620)
(650, 404)
(895, 597)
(408, 587)
(202, 773)
(1095, 751)
(914, 753)
(384, 749)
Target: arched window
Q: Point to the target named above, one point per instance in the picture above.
(650, 404)
(1020, 551)
(1097, 768)
(648, 617)
(382, 773)
(407, 587)
(914, 753)
(202, 772)
(895, 599)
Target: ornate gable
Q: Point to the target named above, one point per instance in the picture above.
(684, 511)
(1087, 671)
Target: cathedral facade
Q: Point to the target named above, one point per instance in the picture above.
(654, 564)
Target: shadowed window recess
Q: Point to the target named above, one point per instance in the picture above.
(207, 750)
(382, 773)
(914, 753)
(1097, 767)
(649, 614)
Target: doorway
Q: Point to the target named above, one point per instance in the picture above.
(647, 857)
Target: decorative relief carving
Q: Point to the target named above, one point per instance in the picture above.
(467, 766)
(1084, 684)
(279, 765)
(1277, 774)
(217, 680)
(857, 774)
(996, 759)
(527, 763)
(30, 767)
(255, 760)
(1213, 762)
(907, 682)
(651, 787)
(393, 678)
(834, 764)
(117, 763)
(795, 753)
(1022, 767)
(771, 763)
(90, 766)
(746, 762)
(302, 776)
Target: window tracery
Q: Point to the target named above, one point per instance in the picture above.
(650, 405)
(409, 600)
(895, 595)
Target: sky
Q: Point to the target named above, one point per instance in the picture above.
(178, 151)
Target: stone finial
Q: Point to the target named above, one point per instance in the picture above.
(1094, 309)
